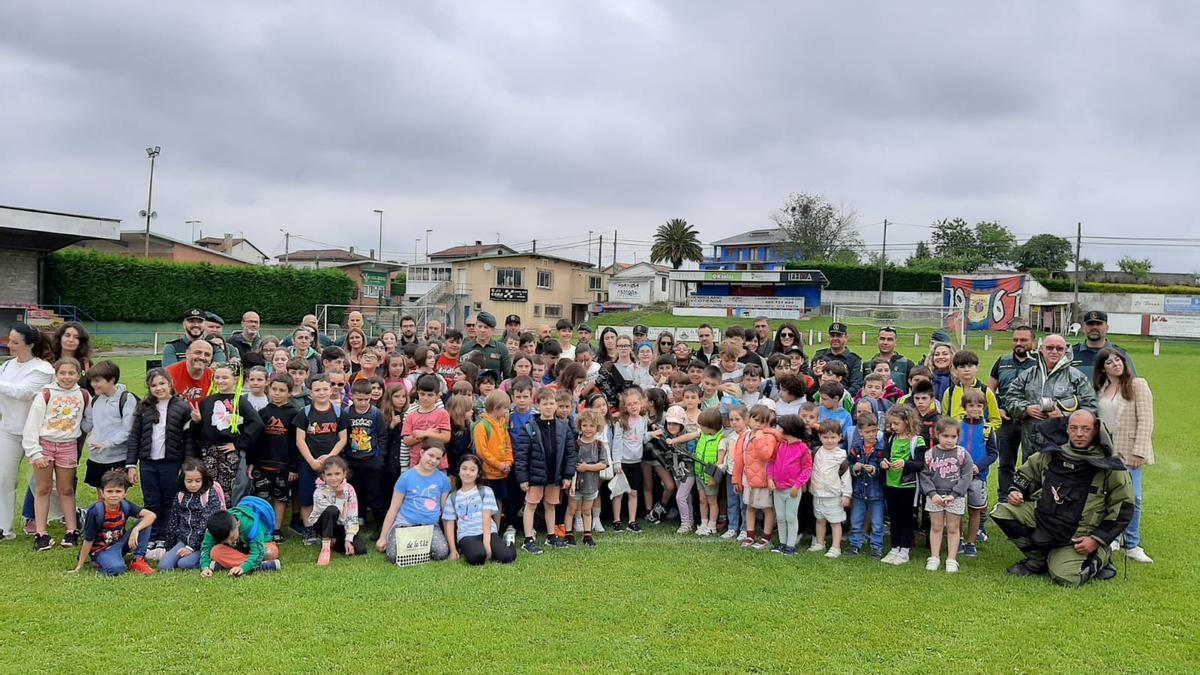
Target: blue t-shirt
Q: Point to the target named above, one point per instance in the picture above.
(468, 510)
(422, 496)
(840, 416)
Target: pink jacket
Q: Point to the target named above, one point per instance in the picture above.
(750, 467)
(792, 466)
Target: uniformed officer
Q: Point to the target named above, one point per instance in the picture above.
(1083, 355)
(193, 329)
(495, 354)
(837, 351)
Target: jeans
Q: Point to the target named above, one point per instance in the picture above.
(786, 516)
(858, 519)
(735, 511)
(160, 481)
(171, 560)
(112, 559)
(1133, 533)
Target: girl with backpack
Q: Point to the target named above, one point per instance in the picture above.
(197, 500)
(60, 414)
(905, 450)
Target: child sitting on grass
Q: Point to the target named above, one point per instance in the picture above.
(335, 512)
(195, 503)
(105, 540)
(470, 516)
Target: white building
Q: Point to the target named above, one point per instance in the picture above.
(237, 247)
(644, 284)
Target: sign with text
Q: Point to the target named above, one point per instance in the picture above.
(1146, 303)
(637, 292)
(752, 276)
(509, 294)
(374, 284)
(1174, 325)
(766, 302)
(1181, 304)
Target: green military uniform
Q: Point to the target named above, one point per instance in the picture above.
(1069, 492)
(495, 355)
(900, 368)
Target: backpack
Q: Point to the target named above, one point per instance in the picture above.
(87, 397)
(263, 514)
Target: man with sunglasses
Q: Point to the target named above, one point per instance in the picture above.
(1050, 390)
(885, 342)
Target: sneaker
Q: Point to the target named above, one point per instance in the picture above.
(70, 539)
(31, 527)
(596, 525)
(951, 567)
(876, 554)
(741, 535)
(1138, 554)
(970, 550)
(891, 555)
(589, 542)
(817, 547)
(933, 563)
(277, 537)
(271, 566)
(569, 541)
(683, 529)
(633, 527)
(788, 550)
(552, 541)
(1022, 569)
(5, 535)
(854, 550)
(833, 553)
(761, 544)
(42, 542)
(901, 558)
(777, 548)
(1115, 545)
(702, 531)
(510, 535)
(311, 539)
(981, 536)
(746, 541)
(618, 526)
(729, 534)
(672, 514)
(140, 566)
(531, 546)
(324, 557)
(155, 554)
(298, 527)
(656, 514)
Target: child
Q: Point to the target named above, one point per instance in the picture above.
(652, 464)
(682, 465)
(787, 475)
(810, 415)
(791, 395)
(113, 412)
(732, 443)
(904, 446)
(750, 475)
(397, 371)
(366, 437)
(710, 384)
(522, 367)
(279, 362)
(472, 514)
(160, 438)
(461, 411)
(966, 370)
(729, 368)
(426, 421)
(195, 503)
(60, 414)
(378, 387)
(585, 488)
(368, 364)
(874, 385)
(273, 461)
(836, 371)
(629, 434)
(105, 540)
(545, 458)
(256, 383)
(321, 432)
(417, 501)
(945, 479)
(239, 540)
(395, 402)
(891, 391)
(708, 447)
(979, 440)
(494, 447)
(830, 486)
(522, 411)
(925, 403)
(695, 372)
(832, 409)
(917, 375)
(229, 426)
(751, 384)
(335, 511)
(297, 369)
(484, 384)
(864, 456)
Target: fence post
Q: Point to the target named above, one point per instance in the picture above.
(1157, 347)
(812, 337)
(917, 339)
(156, 351)
(864, 339)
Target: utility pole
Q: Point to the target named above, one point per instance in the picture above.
(614, 249)
(882, 261)
(287, 240)
(600, 253)
(535, 246)
(1078, 246)
(152, 153)
(380, 212)
(589, 248)
(193, 224)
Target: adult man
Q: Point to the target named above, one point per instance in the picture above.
(1006, 369)
(543, 333)
(214, 328)
(408, 331)
(1051, 389)
(766, 344)
(512, 326)
(353, 320)
(885, 342)
(435, 331)
(1067, 505)
(583, 336)
(447, 361)
(247, 339)
(708, 347)
(837, 352)
(565, 329)
(495, 355)
(641, 333)
(1095, 326)
(192, 377)
(469, 332)
(193, 329)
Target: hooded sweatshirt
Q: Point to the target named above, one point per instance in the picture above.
(792, 466)
(111, 426)
(946, 472)
(255, 549)
(19, 383)
(830, 473)
(62, 419)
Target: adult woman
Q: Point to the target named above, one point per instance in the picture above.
(390, 340)
(607, 352)
(72, 339)
(632, 372)
(267, 347)
(941, 362)
(1127, 409)
(356, 342)
(785, 338)
(21, 378)
(666, 343)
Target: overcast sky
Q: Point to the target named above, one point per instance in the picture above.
(518, 121)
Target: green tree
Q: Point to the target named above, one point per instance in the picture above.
(955, 246)
(1045, 251)
(676, 241)
(995, 243)
(1088, 267)
(814, 229)
(1140, 269)
(920, 255)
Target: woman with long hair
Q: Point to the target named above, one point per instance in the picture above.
(786, 337)
(72, 340)
(21, 379)
(666, 344)
(607, 352)
(1127, 409)
(356, 342)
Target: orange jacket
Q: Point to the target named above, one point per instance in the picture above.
(750, 464)
(494, 446)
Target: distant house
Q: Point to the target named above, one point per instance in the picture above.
(373, 278)
(316, 258)
(471, 251)
(643, 284)
(237, 247)
(751, 250)
(133, 244)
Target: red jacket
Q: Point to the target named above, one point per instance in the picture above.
(750, 466)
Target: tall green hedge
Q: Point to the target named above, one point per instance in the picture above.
(1066, 285)
(120, 288)
(844, 277)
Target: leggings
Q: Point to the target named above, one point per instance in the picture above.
(900, 506)
(786, 510)
(328, 527)
(472, 550)
(683, 499)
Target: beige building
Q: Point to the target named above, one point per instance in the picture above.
(538, 288)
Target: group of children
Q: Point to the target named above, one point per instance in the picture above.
(478, 454)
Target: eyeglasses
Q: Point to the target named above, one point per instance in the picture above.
(1053, 348)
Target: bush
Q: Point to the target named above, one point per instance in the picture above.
(1066, 285)
(844, 277)
(119, 288)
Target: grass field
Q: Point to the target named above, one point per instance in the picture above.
(654, 602)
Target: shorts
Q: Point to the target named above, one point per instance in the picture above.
(586, 496)
(633, 474)
(829, 509)
(95, 471)
(758, 498)
(711, 488)
(62, 455)
(272, 486)
(955, 508)
(546, 494)
(977, 494)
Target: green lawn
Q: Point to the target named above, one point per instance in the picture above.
(651, 603)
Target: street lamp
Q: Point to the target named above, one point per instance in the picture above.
(380, 212)
(193, 224)
(427, 233)
(149, 213)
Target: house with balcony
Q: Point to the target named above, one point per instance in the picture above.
(752, 250)
(537, 287)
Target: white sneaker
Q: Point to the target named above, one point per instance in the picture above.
(683, 529)
(833, 553)
(729, 534)
(817, 547)
(901, 557)
(510, 535)
(890, 557)
(596, 526)
(578, 522)
(155, 554)
(933, 563)
(1116, 544)
(741, 535)
(951, 567)
(702, 531)
(1138, 554)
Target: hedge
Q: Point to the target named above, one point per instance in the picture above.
(843, 277)
(119, 288)
(1067, 285)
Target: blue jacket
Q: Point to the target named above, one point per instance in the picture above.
(978, 439)
(539, 465)
(867, 486)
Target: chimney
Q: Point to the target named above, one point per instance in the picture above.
(372, 256)
(227, 245)
(351, 250)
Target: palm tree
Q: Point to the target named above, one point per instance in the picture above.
(676, 241)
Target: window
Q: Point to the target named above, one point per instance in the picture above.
(510, 277)
(553, 311)
(545, 279)
(537, 310)
(594, 283)
(664, 284)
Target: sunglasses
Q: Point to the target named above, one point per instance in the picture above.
(787, 334)
(1053, 348)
